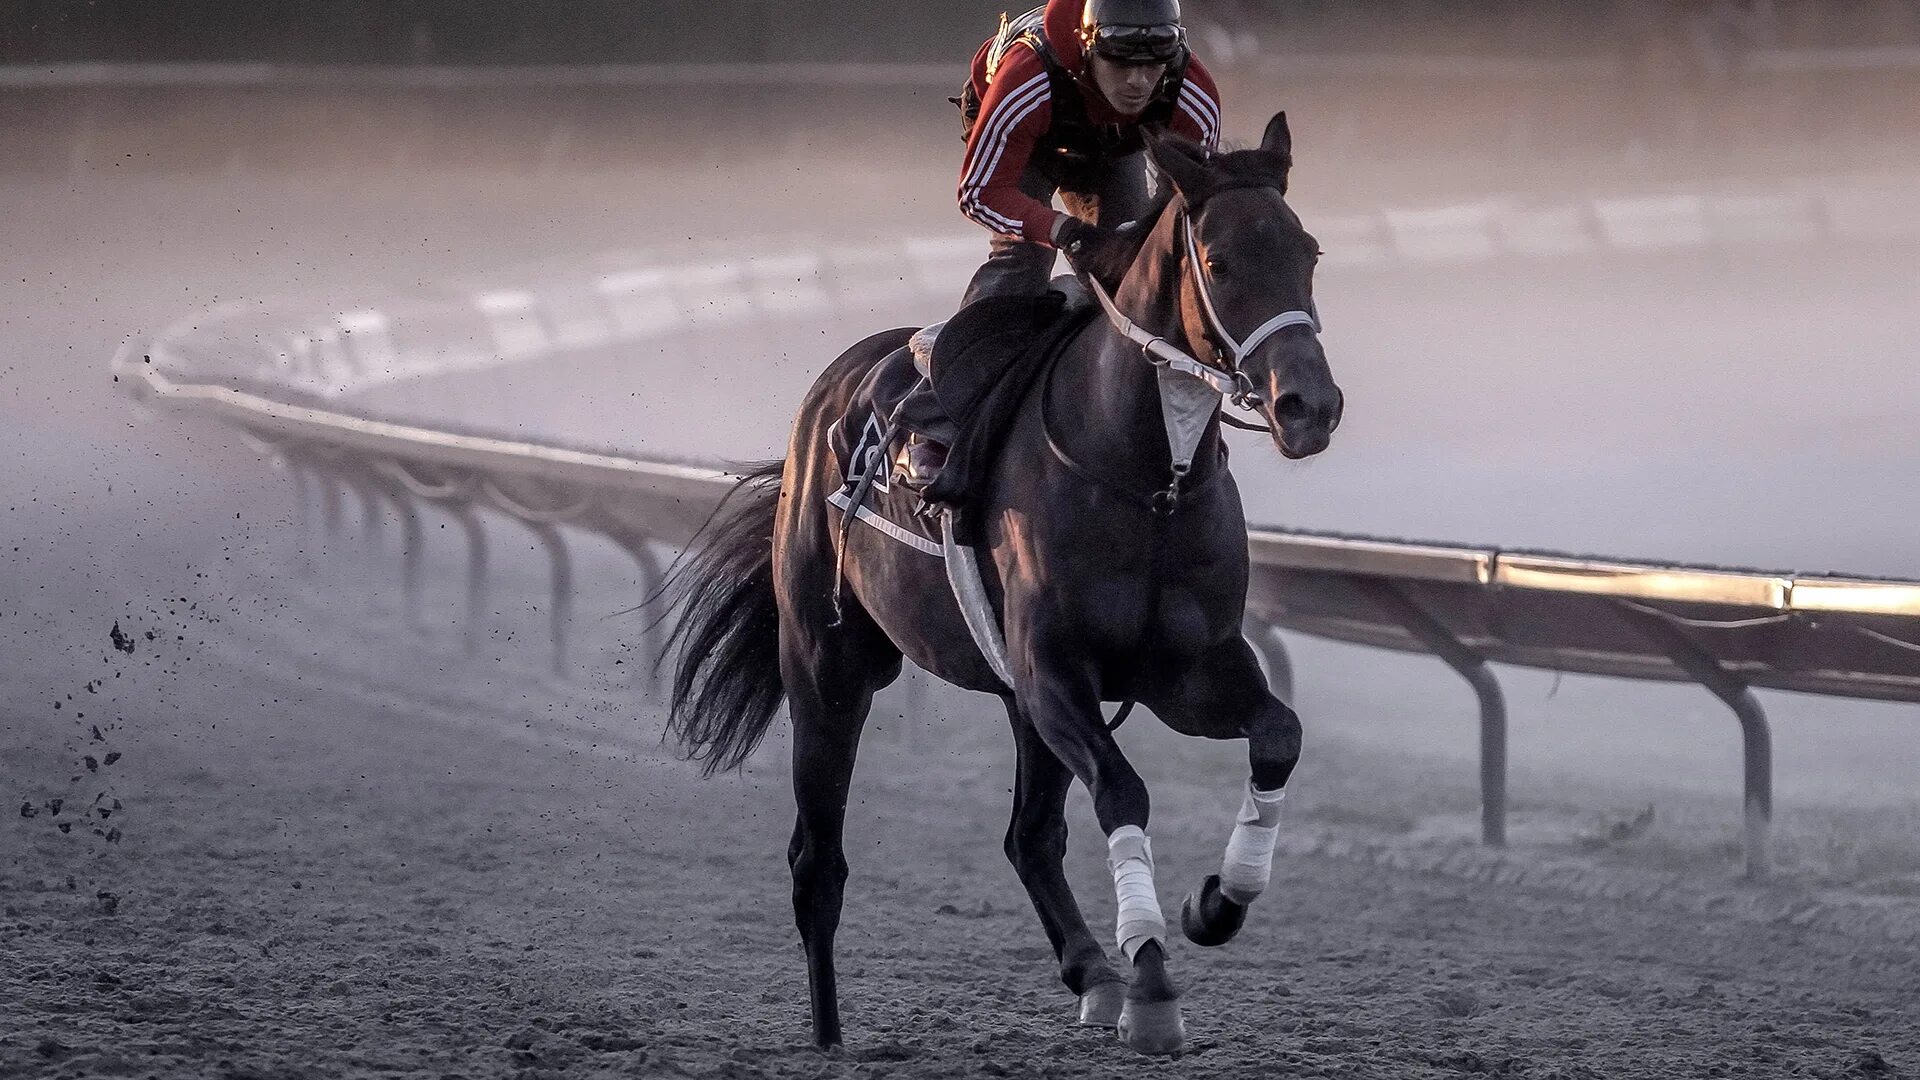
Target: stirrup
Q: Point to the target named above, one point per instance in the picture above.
(919, 463)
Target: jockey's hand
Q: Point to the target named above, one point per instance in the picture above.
(1104, 255)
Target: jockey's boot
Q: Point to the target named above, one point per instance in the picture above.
(919, 462)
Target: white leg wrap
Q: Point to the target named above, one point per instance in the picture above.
(1249, 861)
(1130, 857)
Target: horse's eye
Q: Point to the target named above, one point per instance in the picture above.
(1216, 267)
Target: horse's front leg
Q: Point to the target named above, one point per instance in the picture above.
(1224, 697)
(1060, 698)
(1036, 845)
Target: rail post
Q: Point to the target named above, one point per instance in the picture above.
(653, 630)
(308, 535)
(1756, 736)
(1486, 687)
(476, 530)
(1271, 650)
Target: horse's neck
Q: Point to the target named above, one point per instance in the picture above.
(1123, 421)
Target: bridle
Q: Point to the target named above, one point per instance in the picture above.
(1225, 375)
(1228, 352)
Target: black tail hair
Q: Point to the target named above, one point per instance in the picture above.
(726, 683)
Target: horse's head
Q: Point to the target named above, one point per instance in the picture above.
(1246, 285)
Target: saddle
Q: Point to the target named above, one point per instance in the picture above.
(984, 362)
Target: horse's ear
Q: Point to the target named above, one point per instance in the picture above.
(1278, 138)
(1180, 163)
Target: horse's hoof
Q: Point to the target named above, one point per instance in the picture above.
(1100, 1006)
(1153, 1027)
(1208, 918)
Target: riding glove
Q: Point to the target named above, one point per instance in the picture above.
(1104, 255)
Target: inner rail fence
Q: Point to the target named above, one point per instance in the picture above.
(290, 378)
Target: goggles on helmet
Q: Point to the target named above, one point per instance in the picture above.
(1138, 44)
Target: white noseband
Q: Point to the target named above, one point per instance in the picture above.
(1237, 350)
(1230, 383)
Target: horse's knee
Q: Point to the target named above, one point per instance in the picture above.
(1273, 745)
(1120, 797)
(1074, 731)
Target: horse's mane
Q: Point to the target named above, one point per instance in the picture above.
(1230, 165)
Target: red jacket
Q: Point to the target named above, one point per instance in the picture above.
(1016, 111)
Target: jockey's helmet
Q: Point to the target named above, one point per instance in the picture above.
(1133, 31)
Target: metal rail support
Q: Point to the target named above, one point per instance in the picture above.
(1473, 668)
(476, 531)
(372, 538)
(308, 536)
(1755, 735)
(653, 630)
(372, 521)
(412, 545)
(1271, 650)
(330, 500)
(560, 606)
(413, 542)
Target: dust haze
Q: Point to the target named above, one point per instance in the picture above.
(1654, 307)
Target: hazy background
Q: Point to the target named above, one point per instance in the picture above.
(1636, 279)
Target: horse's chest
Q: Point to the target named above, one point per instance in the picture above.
(1175, 616)
(1179, 587)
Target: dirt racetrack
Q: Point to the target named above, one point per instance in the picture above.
(333, 880)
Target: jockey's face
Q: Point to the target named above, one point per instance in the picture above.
(1127, 87)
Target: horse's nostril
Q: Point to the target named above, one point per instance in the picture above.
(1290, 409)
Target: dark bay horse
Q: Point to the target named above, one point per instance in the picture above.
(1105, 586)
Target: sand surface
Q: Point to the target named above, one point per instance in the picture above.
(331, 844)
(315, 873)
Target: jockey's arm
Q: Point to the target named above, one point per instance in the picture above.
(1196, 116)
(1014, 115)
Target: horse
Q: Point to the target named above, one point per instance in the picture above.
(1124, 580)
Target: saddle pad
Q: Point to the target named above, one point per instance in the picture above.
(858, 441)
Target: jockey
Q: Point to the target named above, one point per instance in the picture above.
(1063, 93)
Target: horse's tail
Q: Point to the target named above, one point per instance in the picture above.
(726, 685)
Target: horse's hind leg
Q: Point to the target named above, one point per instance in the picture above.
(830, 678)
(1226, 697)
(1036, 845)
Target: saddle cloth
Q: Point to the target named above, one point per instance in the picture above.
(859, 443)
